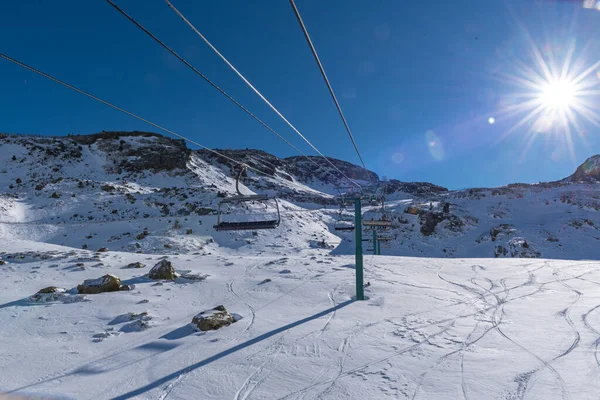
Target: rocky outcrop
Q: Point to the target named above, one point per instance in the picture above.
(414, 188)
(430, 220)
(213, 319)
(162, 270)
(502, 229)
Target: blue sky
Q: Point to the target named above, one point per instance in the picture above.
(418, 81)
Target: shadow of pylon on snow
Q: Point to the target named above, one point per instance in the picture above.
(174, 375)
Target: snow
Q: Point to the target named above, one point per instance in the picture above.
(431, 328)
(443, 318)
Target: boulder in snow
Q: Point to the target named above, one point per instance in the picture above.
(53, 294)
(213, 319)
(106, 283)
(163, 270)
(135, 265)
(48, 294)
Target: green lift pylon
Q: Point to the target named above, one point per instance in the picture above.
(360, 289)
(375, 249)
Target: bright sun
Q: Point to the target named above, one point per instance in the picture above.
(558, 95)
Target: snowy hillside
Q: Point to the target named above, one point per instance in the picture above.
(143, 192)
(111, 272)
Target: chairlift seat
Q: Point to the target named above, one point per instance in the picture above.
(241, 199)
(344, 228)
(243, 226)
(377, 223)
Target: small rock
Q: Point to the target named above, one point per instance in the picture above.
(194, 277)
(52, 289)
(135, 265)
(125, 287)
(285, 271)
(265, 281)
(213, 319)
(143, 301)
(50, 294)
(163, 270)
(102, 250)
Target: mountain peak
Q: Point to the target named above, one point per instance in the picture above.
(589, 171)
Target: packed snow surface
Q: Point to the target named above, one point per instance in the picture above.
(430, 328)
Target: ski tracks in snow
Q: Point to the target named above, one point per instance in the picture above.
(252, 310)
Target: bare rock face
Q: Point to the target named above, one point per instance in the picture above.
(502, 229)
(431, 219)
(106, 283)
(163, 270)
(213, 319)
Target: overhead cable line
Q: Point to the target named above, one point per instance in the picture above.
(180, 58)
(50, 77)
(337, 104)
(256, 90)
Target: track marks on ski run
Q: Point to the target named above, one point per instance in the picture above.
(252, 310)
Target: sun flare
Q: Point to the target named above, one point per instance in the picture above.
(554, 95)
(558, 95)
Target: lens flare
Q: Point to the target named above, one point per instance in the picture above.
(491, 120)
(553, 97)
(397, 158)
(434, 143)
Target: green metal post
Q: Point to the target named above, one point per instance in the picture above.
(360, 290)
(378, 248)
(374, 242)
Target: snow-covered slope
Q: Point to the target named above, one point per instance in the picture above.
(100, 207)
(147, 193)
(430, 329)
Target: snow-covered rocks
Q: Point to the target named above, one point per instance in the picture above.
(106, 283)
(213, 319)
(133, 322)
(162, 270)
(519, 247)
(193, 277)
(48, 294)
(502, 229)
(53, 294)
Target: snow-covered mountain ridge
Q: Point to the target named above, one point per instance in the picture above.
(140, 191)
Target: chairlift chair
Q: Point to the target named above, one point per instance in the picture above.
(344, 223)
(222, 225)
(376, 220)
